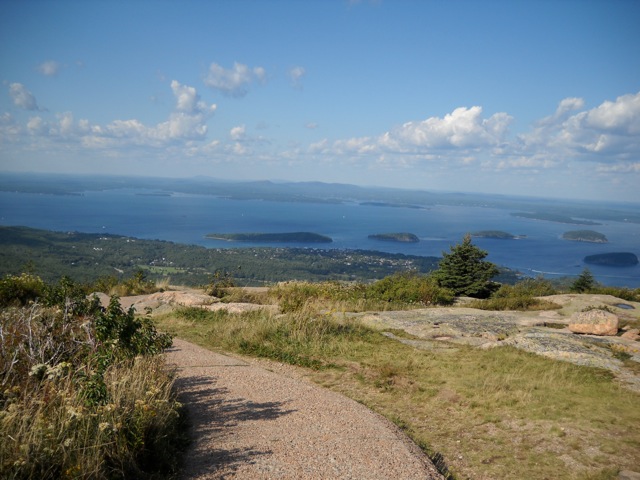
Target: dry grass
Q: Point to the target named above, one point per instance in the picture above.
(76, 401)
(50, 432)
(499, 413)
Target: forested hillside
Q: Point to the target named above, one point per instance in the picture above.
(86, 257)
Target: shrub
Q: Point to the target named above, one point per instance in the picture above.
(67, 405)
(410, 288)
(620, 292)
(219, 284)
(21, 289)
(530, 287)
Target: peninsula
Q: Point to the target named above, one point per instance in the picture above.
(293, 237)
(585, 236)
(402, 237)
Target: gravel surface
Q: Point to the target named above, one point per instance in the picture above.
(252, 423)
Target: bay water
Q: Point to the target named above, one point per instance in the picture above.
(185, 218)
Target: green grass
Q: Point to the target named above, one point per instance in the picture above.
(498, 413)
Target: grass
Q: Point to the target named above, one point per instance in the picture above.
(83, 393)
(498, 413)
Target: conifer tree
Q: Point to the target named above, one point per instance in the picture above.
(584, 282)
(465, 272)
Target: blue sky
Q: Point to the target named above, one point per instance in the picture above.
(505, 96)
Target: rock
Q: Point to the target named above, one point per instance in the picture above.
(594, 322)
(103, 297)
(632, 334)
(628, 475)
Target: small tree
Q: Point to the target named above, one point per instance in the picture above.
(465, 272)
(584, 282)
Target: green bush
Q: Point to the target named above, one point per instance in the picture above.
(16, 290)
(219, 284)
(530, 287)
(619, 292)
(410, 288)
(84, 394)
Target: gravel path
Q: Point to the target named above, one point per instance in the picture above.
(252, 423)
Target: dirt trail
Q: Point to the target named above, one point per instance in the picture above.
(252, 423)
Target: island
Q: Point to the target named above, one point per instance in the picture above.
(615, 259)
(499, 234)
(402, 237)
(292, 237)
(392, 205)
(553, 217)
(585, 236)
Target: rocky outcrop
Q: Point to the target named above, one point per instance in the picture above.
(594, 322)
(632, 334)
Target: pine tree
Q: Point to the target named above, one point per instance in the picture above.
(584, 282)
(465, 272)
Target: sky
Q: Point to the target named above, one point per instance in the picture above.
(512, 97)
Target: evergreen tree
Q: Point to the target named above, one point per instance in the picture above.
(465, 272)
(584, 282)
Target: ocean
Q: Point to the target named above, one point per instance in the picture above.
(186, 218)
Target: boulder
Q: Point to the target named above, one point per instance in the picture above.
(594, 322)
(628, 475)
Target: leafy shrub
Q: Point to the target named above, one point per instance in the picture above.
(19, 290)
(410, 288)
(219, 284)
(64, 401)
(530, 287)
(138, 284)
(619, 292)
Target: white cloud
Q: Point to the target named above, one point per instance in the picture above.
(621, 117)
(188, 100)
(22, 97)
(187, 122)
(458, 132)
(36, 126)
(235, 81)
(463, 128)
(49, 68)
(609, 132)
(238, 133)
(296, 75)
